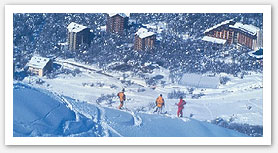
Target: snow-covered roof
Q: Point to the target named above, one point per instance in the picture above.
(214, 40)
(218, 25)
(120, 14)
(38, 62)
(75, 27)
(63, 43)
(246, 27)
(199, 81)
(143, 33)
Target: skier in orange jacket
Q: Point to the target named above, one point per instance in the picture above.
(121, 95)
(159, 104)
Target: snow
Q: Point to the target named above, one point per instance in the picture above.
(214, 40)
(63, 43)
(121, 14)
(163, 126)
(38, 62)
(239, 101)
(237, 93)
(132, 21)
(199, 81)
(143, 33)
(246, 28)
(103, 28)
(40, 113)
(157, 28)
(218, 25)
(75, 27)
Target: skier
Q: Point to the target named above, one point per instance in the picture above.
(180, 107)
(159, 104)
(121, 95)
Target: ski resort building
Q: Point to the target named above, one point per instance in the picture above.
(144, 39)
(236, 33)
(77, 35)
(200, 81)
(116, 22)
(39, 65)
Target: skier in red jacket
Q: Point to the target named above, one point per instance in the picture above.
(180, 107)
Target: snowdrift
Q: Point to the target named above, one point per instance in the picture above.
(40, 113)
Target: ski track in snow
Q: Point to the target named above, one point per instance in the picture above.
(207, 108)
(137, 119)
(101, 114)
(81, 109)
(100, 119)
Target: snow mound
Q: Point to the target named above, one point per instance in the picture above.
(38, 114)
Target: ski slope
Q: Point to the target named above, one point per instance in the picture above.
(238, 101)
(42, 113)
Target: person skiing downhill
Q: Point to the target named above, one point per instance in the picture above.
(121, 95)
(180, 107)
(159, 104)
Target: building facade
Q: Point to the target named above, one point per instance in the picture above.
(77, 35)
(144, 40)
(39, 65)
(117, 22)
(237, 33)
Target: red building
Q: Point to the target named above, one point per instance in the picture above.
(237, 33)
(116, 22)
(144, 40)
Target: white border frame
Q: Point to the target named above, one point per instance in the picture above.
(10, 140)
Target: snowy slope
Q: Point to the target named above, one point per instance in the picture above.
(41, 113)
(238, 101)
(161, 126)
(38, 114)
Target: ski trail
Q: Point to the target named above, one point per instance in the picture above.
(137, 119)
(100, 116)
(253, 103)
(210, 112)
(102, 121)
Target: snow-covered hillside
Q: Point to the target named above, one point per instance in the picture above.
(235, 104)
(42, 113)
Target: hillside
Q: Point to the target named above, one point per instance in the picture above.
(46, 114)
